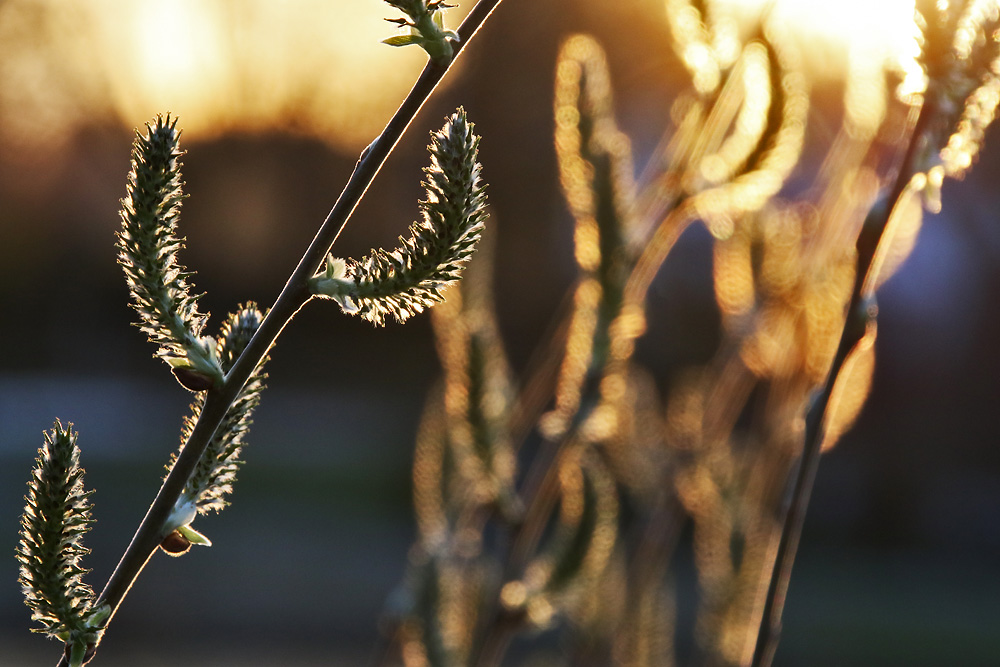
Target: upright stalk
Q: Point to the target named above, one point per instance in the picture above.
(292, 297)
(861, 315)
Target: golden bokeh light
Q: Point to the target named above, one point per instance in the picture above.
(881, 29)
(852, 40)
(306, 66)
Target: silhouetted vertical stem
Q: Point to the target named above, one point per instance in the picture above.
(539, 494)
(292, 297)
(861, 315)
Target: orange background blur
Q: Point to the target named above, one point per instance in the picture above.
(898, 563)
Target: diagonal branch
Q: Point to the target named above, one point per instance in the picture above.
(292, 297)
(858, 330)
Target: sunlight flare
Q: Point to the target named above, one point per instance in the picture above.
(845, 37)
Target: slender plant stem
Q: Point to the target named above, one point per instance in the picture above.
(861, 315)
(539, 494)
(540, 490)
(657, 248)
(292, 297)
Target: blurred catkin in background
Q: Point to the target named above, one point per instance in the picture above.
(903, 526)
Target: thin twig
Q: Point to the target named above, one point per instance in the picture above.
(292, 297)
(540, 490)
(539, 494)
(861, 314)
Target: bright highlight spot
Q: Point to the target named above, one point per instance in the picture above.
(878, 26)
(855, 41)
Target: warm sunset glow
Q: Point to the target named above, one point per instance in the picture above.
(851, 40)
(881, 29)
(308, 65)
(305, 66)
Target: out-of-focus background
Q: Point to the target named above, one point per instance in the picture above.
(899, 561)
